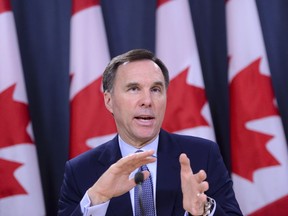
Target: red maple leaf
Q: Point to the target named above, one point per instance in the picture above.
(184, 104)
(14, 119)
(89, 117)
(9, 185)
(251, 98)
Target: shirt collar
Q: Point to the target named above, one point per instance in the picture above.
(127, 149)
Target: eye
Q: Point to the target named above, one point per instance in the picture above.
(156, 89)
(133, 88)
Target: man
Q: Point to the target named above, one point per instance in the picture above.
(101, 181)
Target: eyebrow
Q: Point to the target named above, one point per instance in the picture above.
(132, 84)
(157, 83)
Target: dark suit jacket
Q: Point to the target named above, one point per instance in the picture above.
(83, 171)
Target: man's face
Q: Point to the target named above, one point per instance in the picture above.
(138, 101)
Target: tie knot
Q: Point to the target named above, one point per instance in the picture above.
(144, 167)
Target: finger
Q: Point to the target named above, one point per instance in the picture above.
(135, 160)
(185, 164)
(144, 153)
(141, 154)
(200, 176)
(138, 157)
(203, 187)
(141, 158)
(201, 196)
(202, 199)
(197, 208)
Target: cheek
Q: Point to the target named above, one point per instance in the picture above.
(121, 106)
(162, 107)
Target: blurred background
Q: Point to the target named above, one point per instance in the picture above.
(48, 43)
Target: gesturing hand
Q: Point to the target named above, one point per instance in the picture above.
(193, 187)
(115, 181)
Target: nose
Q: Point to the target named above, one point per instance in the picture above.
(146, 99)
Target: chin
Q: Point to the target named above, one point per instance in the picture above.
(147, 135)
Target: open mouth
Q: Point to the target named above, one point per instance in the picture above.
(144, 117)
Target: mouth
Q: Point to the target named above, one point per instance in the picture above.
(144, 118)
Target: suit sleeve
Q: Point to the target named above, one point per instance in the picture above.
(70, 197)
(220, 185)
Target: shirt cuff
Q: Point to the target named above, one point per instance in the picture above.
(96, 210)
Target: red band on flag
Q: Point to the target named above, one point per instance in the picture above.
(78, 5)
(278, 207)
(5, 6)
(161, 2)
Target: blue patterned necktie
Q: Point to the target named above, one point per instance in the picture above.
(147, 197)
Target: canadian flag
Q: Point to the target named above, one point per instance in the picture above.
(91, 124)
(259, 150)
(20, 184)
(187, 110)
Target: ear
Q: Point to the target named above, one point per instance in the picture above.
(108, 101)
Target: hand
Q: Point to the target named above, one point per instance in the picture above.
(193, 187)
(115, 181)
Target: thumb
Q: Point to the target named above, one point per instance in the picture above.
(185, 164)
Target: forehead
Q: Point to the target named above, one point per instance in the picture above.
(140, 70)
